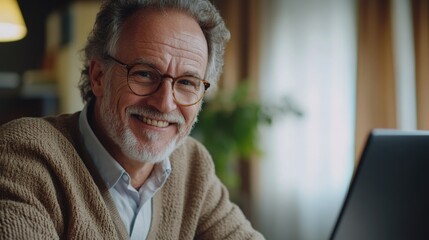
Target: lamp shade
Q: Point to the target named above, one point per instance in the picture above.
(12, 25)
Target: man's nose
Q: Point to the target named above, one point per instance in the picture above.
(163, 99)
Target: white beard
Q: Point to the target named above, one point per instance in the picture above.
(129, 144)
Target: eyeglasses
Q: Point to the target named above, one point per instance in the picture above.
(144, 80)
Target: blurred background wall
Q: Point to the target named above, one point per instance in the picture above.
(346, 66)
(39, 74)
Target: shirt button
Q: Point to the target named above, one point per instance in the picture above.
(125, 177)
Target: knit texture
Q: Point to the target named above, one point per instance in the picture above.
(49, 189)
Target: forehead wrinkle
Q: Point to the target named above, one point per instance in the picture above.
(187, 53)
(155, 60)
(188, 38)
(186, 47)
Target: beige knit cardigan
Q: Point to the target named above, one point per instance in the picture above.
(49, 189)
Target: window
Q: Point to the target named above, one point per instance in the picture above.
(309, 54)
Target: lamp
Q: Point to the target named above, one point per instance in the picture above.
(12, 25)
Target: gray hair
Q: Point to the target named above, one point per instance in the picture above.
(113, 13)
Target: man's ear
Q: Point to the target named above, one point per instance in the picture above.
(96, 77)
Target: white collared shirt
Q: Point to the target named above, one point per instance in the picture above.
(134, 206)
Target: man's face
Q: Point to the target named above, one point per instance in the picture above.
(149, 128)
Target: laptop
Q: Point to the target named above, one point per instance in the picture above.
(388, 197)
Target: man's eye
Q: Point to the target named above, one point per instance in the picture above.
(144, 76)
(185, 82)
(188, 82)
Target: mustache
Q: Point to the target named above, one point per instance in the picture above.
(173, 117)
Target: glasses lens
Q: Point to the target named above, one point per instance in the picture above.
(143, 79)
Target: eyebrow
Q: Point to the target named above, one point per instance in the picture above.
(145, 62)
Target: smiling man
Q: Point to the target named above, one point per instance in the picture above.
(124, 167)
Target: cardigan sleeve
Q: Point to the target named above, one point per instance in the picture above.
(26, 211)
(46, 190)
(23, 221)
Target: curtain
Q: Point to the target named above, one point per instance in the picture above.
(375, 87)
(392, 77)
(420, 10)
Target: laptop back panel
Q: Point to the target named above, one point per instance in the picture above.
(389, 194)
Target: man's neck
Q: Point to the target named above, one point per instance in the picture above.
(139, 172)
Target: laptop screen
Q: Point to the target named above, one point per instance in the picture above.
(389, 195)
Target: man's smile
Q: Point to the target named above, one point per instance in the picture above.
(152, 122)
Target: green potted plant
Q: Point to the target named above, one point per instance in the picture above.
(228, 127)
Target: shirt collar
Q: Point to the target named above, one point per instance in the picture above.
(109, 168)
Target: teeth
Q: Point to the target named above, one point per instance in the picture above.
(155, 122)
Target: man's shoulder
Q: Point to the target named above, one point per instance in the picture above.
(27, 127)
(36, 128)
(27, 142)
(191, 147)
(191, 154)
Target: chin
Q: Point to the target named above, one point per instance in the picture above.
(150, 150)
